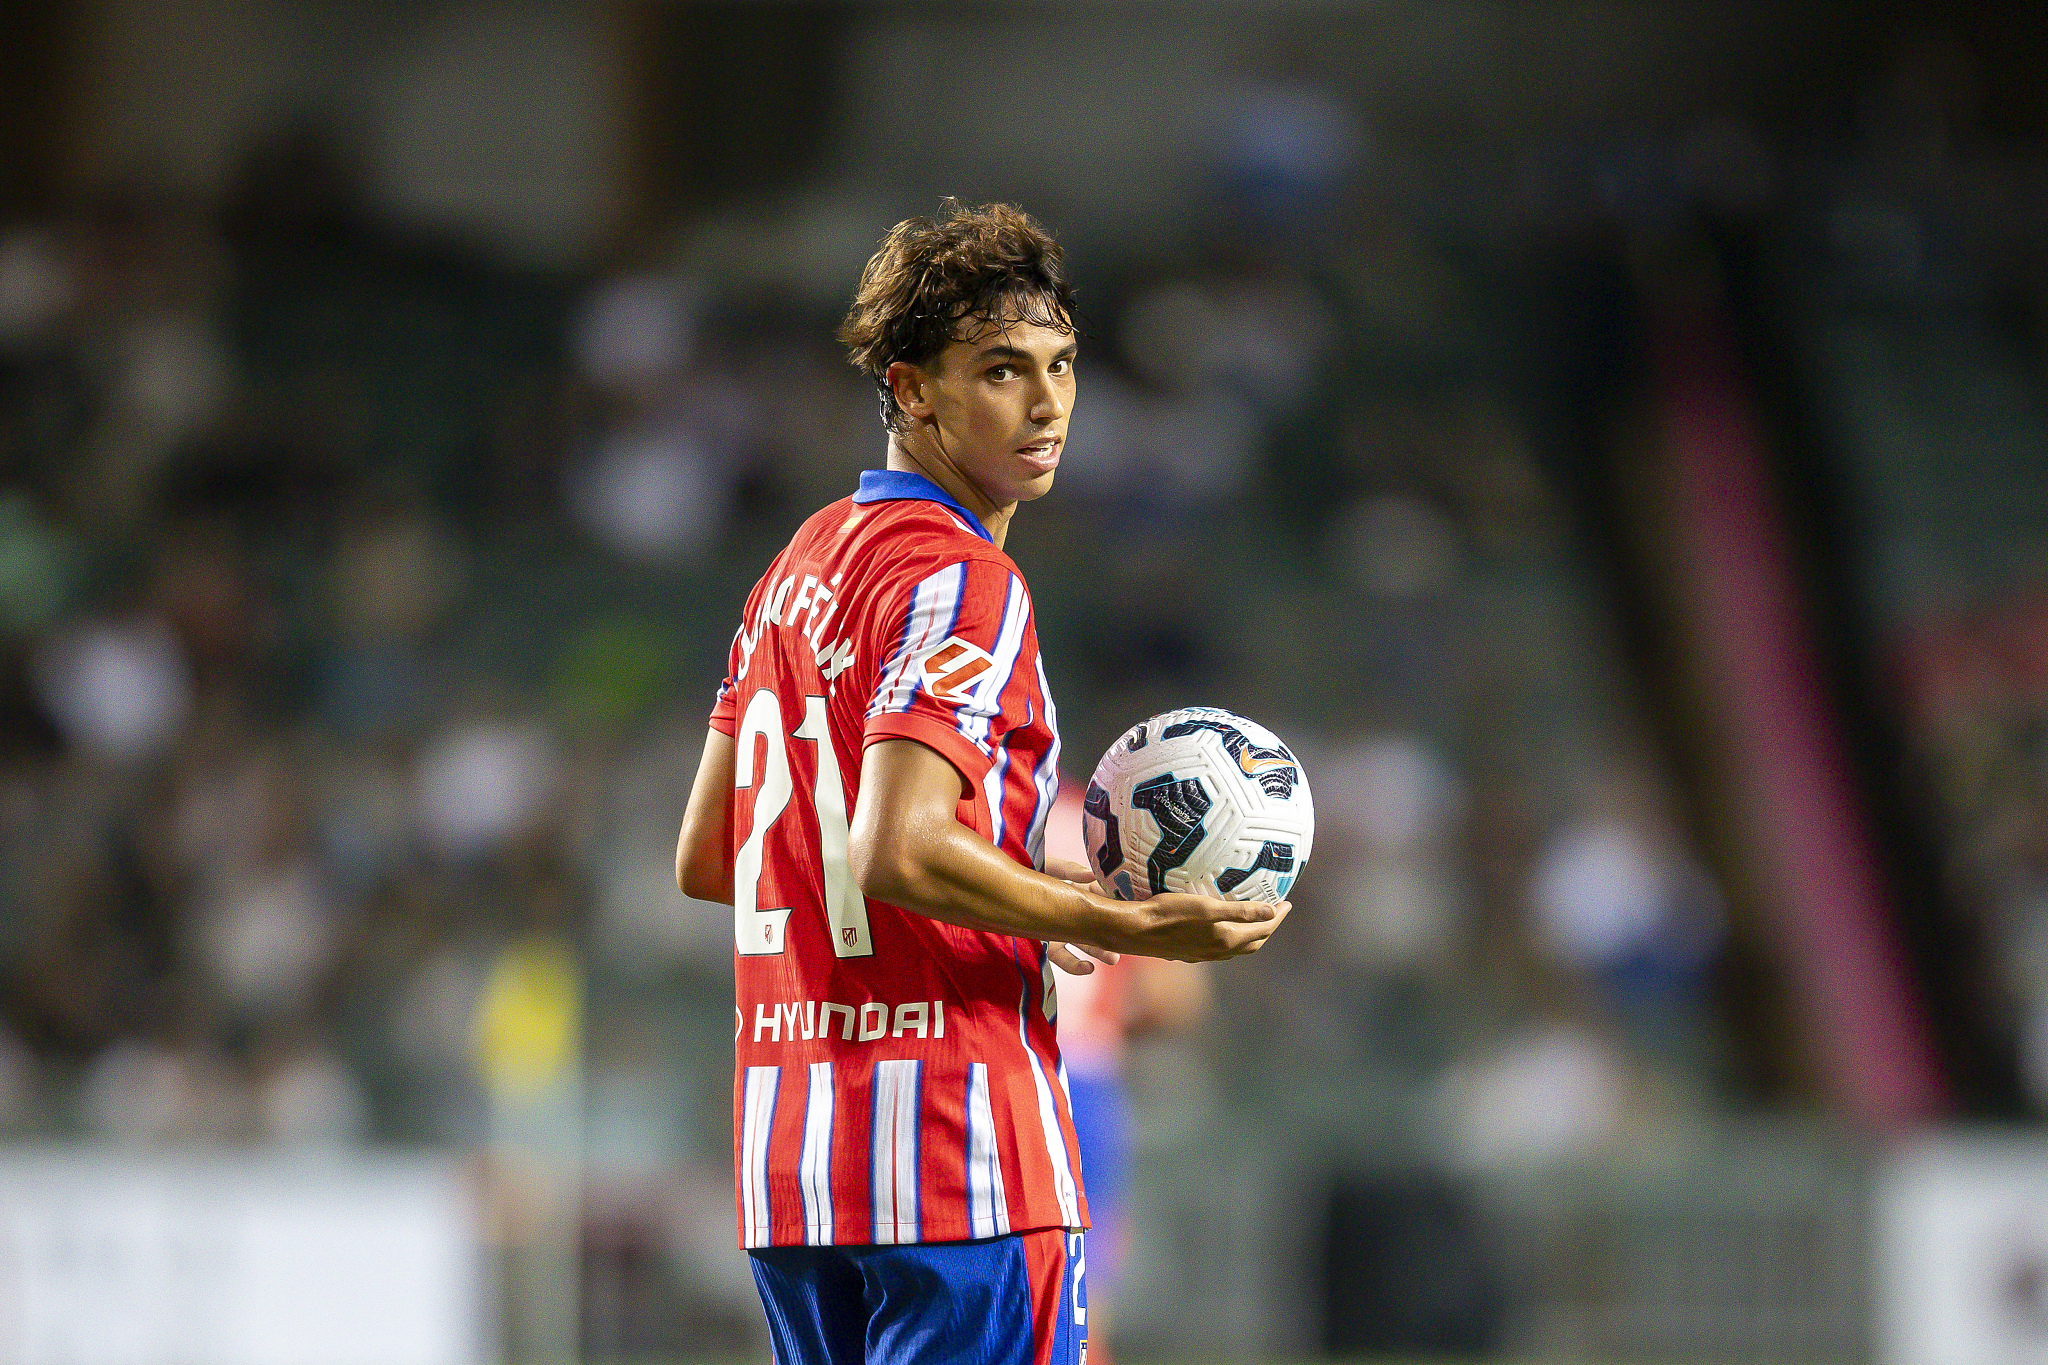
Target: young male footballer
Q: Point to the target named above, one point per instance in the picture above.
(872, 801)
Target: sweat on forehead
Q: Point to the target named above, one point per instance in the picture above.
(1039, 311)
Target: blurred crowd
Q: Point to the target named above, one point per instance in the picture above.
(254, 811)
(364, 587)
(1977, 681)
(362, 598)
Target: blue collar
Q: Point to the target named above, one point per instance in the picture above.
(890, 485)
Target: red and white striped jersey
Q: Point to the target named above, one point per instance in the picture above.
(897, 1078)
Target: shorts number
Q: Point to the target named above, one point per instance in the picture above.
(759, 932)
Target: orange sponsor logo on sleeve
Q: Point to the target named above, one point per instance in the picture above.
(954, 670)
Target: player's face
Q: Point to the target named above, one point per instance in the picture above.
(999, 402)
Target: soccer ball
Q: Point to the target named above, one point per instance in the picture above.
(1198, 800)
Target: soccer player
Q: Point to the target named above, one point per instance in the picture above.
(872, 800)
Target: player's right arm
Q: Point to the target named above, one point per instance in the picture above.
(907, 847)
(704, 847)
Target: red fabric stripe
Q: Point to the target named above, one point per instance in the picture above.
(941, 1152)
(853, 1122)
(1013, 1101)
(1020, 800)
(1045, 1260)
(981, 610)
(785, 1147)
(1021, 697)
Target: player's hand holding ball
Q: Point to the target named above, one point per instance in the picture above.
(1186, 927)
(1206, 817)
(1180, 926)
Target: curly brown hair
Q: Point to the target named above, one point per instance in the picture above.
(988, 263)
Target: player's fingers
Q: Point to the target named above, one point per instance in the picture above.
(1102, 955)
(1248, 944)
(1068, 871)
(1264, 930)
(1257, 912)
(1067, 960)
(1250, 937)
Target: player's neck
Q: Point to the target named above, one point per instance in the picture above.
(914, 458)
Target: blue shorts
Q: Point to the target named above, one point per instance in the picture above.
(1016, 1300)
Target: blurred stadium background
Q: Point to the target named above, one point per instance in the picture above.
(1606, 438)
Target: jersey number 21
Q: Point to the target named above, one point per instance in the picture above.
(758, 931)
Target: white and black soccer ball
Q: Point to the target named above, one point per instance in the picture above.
(1198, 800)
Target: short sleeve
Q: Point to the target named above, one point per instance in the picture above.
(956, 665)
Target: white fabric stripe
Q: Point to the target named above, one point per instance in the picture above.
(1049, 1119)
(1046, 776)
(976, 716)
(910, 1104)
(757, 1125)
(815, 1166)
(988, 1212)
(892, 1152)
(933, 607)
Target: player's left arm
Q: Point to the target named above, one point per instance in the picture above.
(907, 847)
(704, 847)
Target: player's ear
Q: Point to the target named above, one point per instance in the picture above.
(907, 382)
